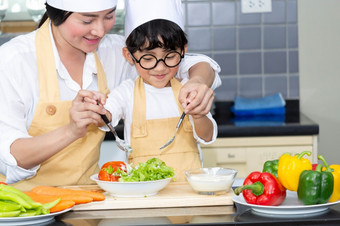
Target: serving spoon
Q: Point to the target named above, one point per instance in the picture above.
(120, 143)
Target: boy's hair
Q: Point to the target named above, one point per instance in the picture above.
(158, 33)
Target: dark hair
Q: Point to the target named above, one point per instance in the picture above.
(157, 33)
(57, 16)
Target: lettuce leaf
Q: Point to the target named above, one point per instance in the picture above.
(153, 169)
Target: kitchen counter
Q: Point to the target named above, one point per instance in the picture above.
(293, 123)
(213, 215)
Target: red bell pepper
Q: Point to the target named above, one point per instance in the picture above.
(262, 189)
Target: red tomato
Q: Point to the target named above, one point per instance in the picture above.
(115, 165)
(106, 172)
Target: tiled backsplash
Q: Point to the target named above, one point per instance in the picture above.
(257, 52)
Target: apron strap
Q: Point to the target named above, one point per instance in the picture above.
(47, 73)
(138, 126)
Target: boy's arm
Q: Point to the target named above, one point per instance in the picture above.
(204, 128)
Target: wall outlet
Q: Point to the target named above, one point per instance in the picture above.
(256, 6)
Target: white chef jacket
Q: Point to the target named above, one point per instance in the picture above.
(19, 87)
(160, 103)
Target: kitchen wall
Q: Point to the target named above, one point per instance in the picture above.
(258, 52)
(319, 45)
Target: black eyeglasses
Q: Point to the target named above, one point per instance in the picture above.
(149, 61)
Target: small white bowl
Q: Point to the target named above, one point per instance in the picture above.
(208, 181)
(131, 189)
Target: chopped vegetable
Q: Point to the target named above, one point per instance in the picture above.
(110, 171)
(153, 169)
(262, 189)
(316, 187)
(62, 205)
(47, 190)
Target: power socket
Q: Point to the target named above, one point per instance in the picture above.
(256, 6)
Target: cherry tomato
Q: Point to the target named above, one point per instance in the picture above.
(106, 172)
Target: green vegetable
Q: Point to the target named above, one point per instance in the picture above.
(16, 191)
(4, 195)
(10, 214)
(153, 169)
(32, 212)
(50, 205)
(9, 206)
(271, 166)
(316, 187)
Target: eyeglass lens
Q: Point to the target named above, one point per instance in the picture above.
(149, 61)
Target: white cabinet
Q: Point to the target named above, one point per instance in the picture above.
(247, 154)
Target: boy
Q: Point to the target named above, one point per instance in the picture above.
(156, 44)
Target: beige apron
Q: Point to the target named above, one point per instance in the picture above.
(147, 136)
(77, 162)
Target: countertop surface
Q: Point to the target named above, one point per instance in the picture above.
(293, 123)
(208, 215)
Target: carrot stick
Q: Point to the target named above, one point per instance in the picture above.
(77, 199)
(62, 205)
(47, 190)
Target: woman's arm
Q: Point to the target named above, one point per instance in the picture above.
(30, 152)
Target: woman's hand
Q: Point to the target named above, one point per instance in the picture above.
(196, 98)
(86, 109)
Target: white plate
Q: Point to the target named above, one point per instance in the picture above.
(132, 189)
(33, 220)
(291, 205)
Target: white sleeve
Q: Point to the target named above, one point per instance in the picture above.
(214, 136)
(12, 127)
(191, 59)
(119, 99)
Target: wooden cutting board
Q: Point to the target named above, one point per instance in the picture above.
(175, 194)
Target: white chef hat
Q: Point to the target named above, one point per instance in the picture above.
(139, 12)
(82, 6)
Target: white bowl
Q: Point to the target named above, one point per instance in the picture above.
(131, 189)
(208, 181)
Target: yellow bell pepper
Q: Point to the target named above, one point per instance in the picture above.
(290, 168)
(336, 187)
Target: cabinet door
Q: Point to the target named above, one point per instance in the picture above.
(257, 156)
(234, 158)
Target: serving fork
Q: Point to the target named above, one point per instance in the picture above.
(173, 138)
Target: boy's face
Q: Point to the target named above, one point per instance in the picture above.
(160, 75)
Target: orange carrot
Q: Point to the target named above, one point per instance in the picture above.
(47, 190)
(77, 199)
(62, 205)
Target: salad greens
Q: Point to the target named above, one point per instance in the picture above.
(153, 169)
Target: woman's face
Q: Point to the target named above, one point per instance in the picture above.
(83, 31)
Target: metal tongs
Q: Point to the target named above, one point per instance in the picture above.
(120, 143)
(173, 138)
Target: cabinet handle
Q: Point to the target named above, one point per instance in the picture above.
(231, 156)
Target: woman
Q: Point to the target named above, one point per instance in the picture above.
(49, 134)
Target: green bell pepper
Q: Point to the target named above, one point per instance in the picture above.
(271, 166)
(316, 187)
